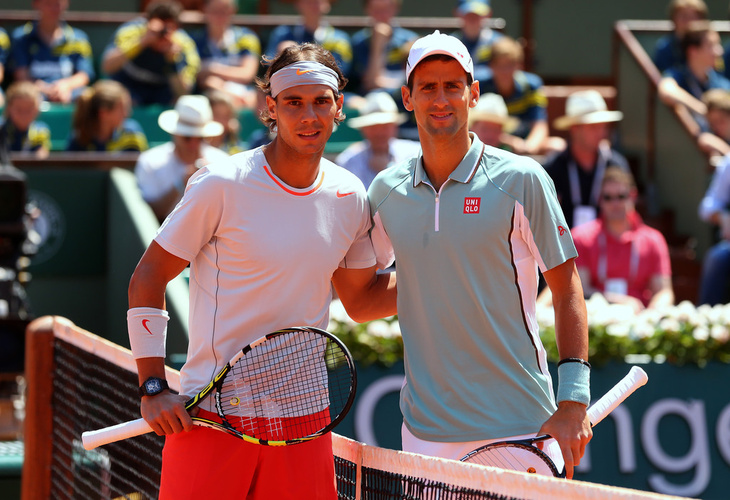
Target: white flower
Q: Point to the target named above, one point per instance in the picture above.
(669, 325)
(701, 333)
(618, 329)
(338, 313)
(642, 329)
(379, 328)
(720, 333)
(395, 329)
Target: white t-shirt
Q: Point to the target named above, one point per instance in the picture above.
(262, 253)
(158, 170)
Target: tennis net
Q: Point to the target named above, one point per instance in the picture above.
(78, 381)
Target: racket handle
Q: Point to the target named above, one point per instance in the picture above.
(632, 381)
(92, 439)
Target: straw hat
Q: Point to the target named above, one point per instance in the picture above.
(585, 107)
(491, 108)
(379, 109)
(192, 117)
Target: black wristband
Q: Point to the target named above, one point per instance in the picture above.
(574, 360)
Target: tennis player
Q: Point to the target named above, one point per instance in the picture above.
(469, 226)
(266, 234)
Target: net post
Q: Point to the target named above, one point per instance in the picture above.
(36, 480)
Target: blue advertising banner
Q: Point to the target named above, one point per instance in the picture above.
(672, 436)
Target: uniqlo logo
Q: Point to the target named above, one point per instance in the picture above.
(471, 205)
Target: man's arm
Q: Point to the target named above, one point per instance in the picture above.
(569, 425)
(672, 94)
(164, 412)
(365, 294)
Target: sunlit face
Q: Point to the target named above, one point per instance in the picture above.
(382, 11)
(219, 12)
(683, 17)
(441, 97)
(719, 122)
(22, 111)
(616, 201)
(503, 69)
(166, 29)
(188, 147)
(223, 114)
(50, 9)
(379, 135)
(305, 116)
(116, 115)
(488, 132)
(588, 136)
(710, 50)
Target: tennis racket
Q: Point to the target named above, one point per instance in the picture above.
(287, 387)
(522, 455)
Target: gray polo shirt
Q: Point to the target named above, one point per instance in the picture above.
(467, 261)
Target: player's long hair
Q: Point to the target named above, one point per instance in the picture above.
(104, 94)
(290, 55)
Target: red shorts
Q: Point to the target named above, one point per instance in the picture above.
(206, 463)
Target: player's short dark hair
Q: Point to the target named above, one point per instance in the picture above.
(291, 55)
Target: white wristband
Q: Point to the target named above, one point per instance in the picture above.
(147, 328)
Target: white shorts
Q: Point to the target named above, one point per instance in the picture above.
(455, 451)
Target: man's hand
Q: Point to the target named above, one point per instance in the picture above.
(571, 428)
(166, 413)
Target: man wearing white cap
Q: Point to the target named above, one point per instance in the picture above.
(469, 226)
(578, 170)
(490, 121)
(378, 123)
(163, 171)
(267, 233)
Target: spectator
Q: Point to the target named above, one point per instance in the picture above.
(715, 209)
(225, 113)
(684, 85)
(101, 121)
(490, 121)
(378, 123)
(4, 52)
(716, 142)
(620, 256)
(668, 51)
(163, 171)
(380, 50)
(52, 54)
(313, 29)
(578, 170)
(229, 55)
(524, 96)
(475, 36)
(153, 57)
(20, 128)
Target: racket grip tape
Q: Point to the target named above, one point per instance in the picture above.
(632, 381)
(92, 439)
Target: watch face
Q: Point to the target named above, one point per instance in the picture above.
(153, 386)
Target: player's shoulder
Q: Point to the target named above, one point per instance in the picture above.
(390, 178)
(340, 176)
(514, 173)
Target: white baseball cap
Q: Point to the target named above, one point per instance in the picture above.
(439, 43)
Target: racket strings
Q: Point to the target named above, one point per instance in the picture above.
(524, 458)
(289, 387)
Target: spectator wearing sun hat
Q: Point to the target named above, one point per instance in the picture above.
(477, 37)
(378, 123)
(490, 121)
(163, 171)
(578, 170)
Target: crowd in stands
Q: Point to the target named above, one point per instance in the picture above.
(208, 75)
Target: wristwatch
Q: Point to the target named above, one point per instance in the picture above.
(153, 386)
